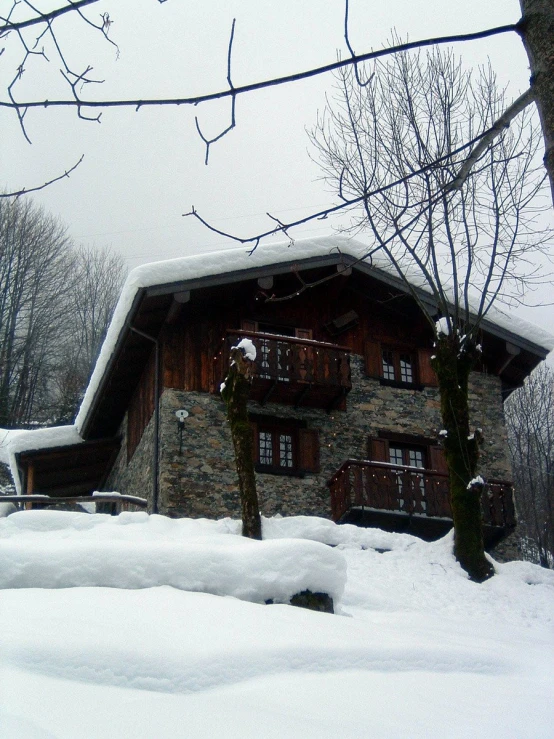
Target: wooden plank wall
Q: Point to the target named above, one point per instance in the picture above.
(191, 346)
(141, 406)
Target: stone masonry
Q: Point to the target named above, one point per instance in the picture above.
(201, 481)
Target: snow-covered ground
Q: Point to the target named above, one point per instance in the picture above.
(182, 645)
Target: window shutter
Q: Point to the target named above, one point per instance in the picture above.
(308, 450)
(378, 449)
(427, 374)
(373, 359)
(303, 333)
(247, 325)
(437, 459)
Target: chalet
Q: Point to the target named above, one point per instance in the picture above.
(344, 404)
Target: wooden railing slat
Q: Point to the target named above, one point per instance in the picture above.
(411, 490)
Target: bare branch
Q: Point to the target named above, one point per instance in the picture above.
(323, 214)
(236, 91)
(350, 49)
(8, 26)
(503, 122)
(207, 141)
(26, 190)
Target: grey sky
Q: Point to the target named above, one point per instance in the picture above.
(143, 170)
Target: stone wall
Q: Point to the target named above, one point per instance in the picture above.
(200, 481)
(136, 476)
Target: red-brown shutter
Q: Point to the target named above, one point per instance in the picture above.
(378, 449)
(373, 365)
(308, 450)
(248, 325)
(427, 374)
(437, 459)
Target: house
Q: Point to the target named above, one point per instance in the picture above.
(344, 402)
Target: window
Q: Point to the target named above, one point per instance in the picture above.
(414, 492)
(284, 446)
(411, 456)
(399, 367)
(276, 449)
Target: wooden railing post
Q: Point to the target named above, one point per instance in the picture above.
(413, 490)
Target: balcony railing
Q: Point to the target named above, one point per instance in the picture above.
(410, 491)
(297, 371)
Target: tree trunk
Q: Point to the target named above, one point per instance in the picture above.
(537, 31)
(453, 364)
(235, 394)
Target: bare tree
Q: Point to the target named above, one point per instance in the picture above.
(56, 303)
(530, 422)
(98, 275)
(392, 147)
(35, 276)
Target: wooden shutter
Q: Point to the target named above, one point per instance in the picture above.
(426, 373)
(248, 325)
(308, 450)
(378, 449)
(373, 365)
(437, 459)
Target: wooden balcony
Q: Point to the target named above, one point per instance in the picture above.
(411, 500)
(297, 372)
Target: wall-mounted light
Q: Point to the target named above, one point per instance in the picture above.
(181, 415)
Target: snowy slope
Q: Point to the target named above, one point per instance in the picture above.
(416, 650)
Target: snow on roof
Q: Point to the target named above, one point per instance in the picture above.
(14, 441)
(234, 260)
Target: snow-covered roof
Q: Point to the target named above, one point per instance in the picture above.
(14, 442)
(219, 268)
(226, 266)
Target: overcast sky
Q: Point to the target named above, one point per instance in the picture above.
(143, 170)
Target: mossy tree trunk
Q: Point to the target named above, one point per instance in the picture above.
(453, 362)
(235, 394)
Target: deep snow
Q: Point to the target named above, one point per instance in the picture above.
(416, 650)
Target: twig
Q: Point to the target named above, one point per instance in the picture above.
(26, 190)
(496, 129)
(323, 214)
(44, 17)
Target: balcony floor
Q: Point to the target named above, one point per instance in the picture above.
(428, 529)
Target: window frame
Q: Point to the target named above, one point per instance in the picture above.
(275, 432)
(422, 370)
(398, 356)
(304, 445)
